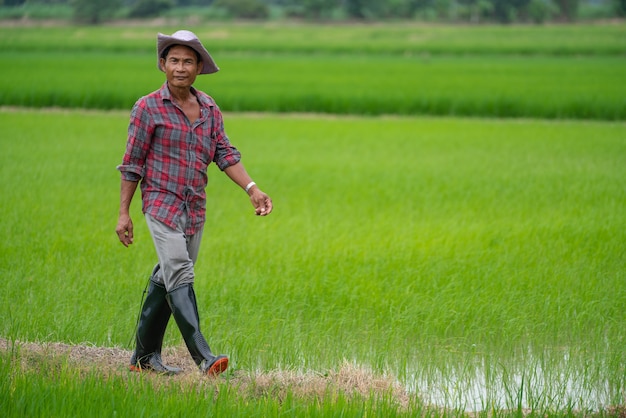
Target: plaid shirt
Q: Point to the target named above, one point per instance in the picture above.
(170, 155)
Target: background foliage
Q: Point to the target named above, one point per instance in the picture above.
(473, 11)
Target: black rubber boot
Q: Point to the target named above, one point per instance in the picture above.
(155, 315)
(182, 301)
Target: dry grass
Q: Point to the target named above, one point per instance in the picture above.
(350, 380)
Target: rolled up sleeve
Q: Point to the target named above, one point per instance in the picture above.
(226, 154)
(140, 130)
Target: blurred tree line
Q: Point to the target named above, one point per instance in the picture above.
(472, 11)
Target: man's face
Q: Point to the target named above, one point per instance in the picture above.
(181, 66)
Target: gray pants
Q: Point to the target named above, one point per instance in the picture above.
(176, 251)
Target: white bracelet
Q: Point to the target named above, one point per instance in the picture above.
(249, 186)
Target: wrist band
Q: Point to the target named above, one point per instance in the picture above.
(249, 186)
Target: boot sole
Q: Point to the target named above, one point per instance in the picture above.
(218, 367)
(139, 369)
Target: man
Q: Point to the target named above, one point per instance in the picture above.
(173, 135)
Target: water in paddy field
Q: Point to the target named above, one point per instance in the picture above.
(485, 385)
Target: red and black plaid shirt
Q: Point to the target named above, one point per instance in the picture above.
(170, 155)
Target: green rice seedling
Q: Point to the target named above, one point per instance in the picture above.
(548, 72)
(44, 383)
(437, 251)
(381, 39)
(493, 87)
(544, 87)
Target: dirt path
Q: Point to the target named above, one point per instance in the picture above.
(349, 379)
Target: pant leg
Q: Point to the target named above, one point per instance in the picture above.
(176, 251)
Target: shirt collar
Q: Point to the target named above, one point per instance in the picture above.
(202, 100)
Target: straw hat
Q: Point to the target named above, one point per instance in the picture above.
(186, 38)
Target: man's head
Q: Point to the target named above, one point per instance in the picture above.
(190, 40)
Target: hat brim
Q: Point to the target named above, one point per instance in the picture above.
(165, 41)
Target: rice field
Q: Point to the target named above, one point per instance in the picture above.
(448, 235)
(104, 68)
(478, 262)
(396, 38)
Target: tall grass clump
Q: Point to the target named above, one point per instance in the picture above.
(458, 256)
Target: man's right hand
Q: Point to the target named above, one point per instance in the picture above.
(124, 229)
